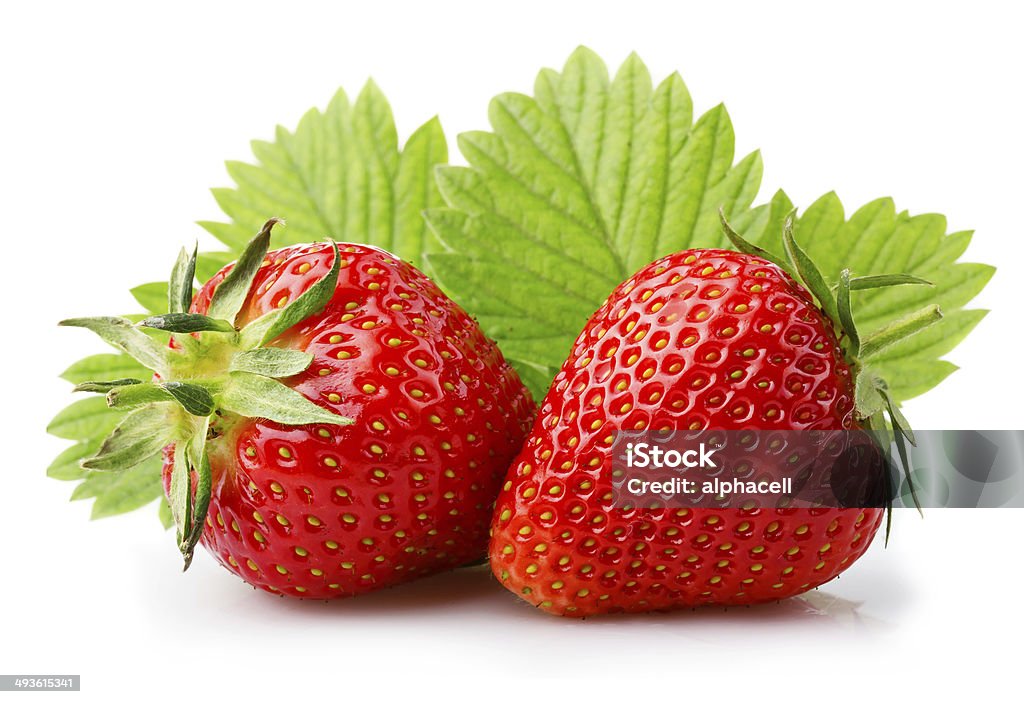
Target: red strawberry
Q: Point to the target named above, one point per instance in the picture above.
(700, 339)
(324, 509)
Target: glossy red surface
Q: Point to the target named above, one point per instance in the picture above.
(325, 510)
(702, 339)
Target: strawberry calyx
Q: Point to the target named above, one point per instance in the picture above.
(874, 407)
(210, 372)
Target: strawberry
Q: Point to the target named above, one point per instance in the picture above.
(699, 339)
(331, 422)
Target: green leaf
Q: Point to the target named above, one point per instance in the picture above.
(99, 366)
(209, 263)
(120, 492)
(186, 323)
(877, 240)
(84, 420)
(572, 191)
(271, 361)
(914, 376)
(256, 396)
(152, 297)
(67, 465)
(164, 514)
(339, 174)
(122, 334)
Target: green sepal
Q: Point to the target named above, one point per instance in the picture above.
(197, 376)
(183, 274)
(137, 395)
(875, 423)
(265, 328)
(179, 495)
(872, 400)
(746, 247)
(869, 401)
(899, 421)
(232, 291)
(808, 271)
(271, 361)
(102, 387)
(142, 434)
(186, 323)
(122, 334)
(256, 396)
(901, 435)
(200, 499)
(898, 330)
(863, 283)
(193, 398)
(845, 311)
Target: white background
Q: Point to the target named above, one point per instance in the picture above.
(114, 122)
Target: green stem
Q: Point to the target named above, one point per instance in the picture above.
(897, 330)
